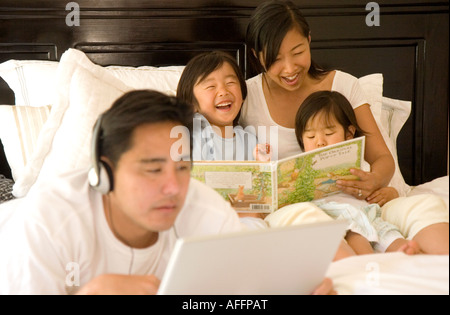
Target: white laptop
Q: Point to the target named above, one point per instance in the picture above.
(289, 260)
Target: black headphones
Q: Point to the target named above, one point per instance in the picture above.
(100, 175)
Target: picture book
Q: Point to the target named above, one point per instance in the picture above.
(253, 186)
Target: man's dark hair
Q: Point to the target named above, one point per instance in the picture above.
(138, 108)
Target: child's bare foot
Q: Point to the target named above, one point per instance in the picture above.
(410, 248)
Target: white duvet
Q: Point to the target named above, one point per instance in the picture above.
(391, 273)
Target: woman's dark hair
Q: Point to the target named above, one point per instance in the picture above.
(134, 109)
(268, 26)
(199, 67)
(334, 104)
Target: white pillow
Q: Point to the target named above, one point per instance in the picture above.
(32, 81)
(394, 114)
(19, 130)
(390, 116)
(372, 85)
(84, 90)
(163, 79)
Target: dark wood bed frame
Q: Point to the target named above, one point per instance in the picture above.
(410, 48)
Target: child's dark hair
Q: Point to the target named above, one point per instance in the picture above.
(134, 109)
(334, 104)
(199, 67)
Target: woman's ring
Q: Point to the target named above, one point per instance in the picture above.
(359, 193)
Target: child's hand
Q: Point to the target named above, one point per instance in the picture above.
(252, 215)
(383, 195)
(262, 152)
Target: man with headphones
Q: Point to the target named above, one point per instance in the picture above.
(112, 229)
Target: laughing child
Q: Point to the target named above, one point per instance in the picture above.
(214, 84)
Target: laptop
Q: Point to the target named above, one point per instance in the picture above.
(287, 260)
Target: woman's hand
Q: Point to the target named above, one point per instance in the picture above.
(362, 188)
(113, 284)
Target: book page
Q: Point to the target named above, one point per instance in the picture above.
(313, 175)
(247, 186)
(267, 186)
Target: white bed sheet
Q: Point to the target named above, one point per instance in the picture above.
(6, 210)
(391, 273)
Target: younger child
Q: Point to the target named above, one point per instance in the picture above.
(326, 118)
(214, 84)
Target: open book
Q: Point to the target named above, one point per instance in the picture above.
(253, 186)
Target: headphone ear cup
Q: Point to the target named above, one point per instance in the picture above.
(106, 178)
(100, 175)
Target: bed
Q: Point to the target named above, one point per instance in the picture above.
(61, 66)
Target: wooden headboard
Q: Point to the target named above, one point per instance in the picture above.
(410, 48)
